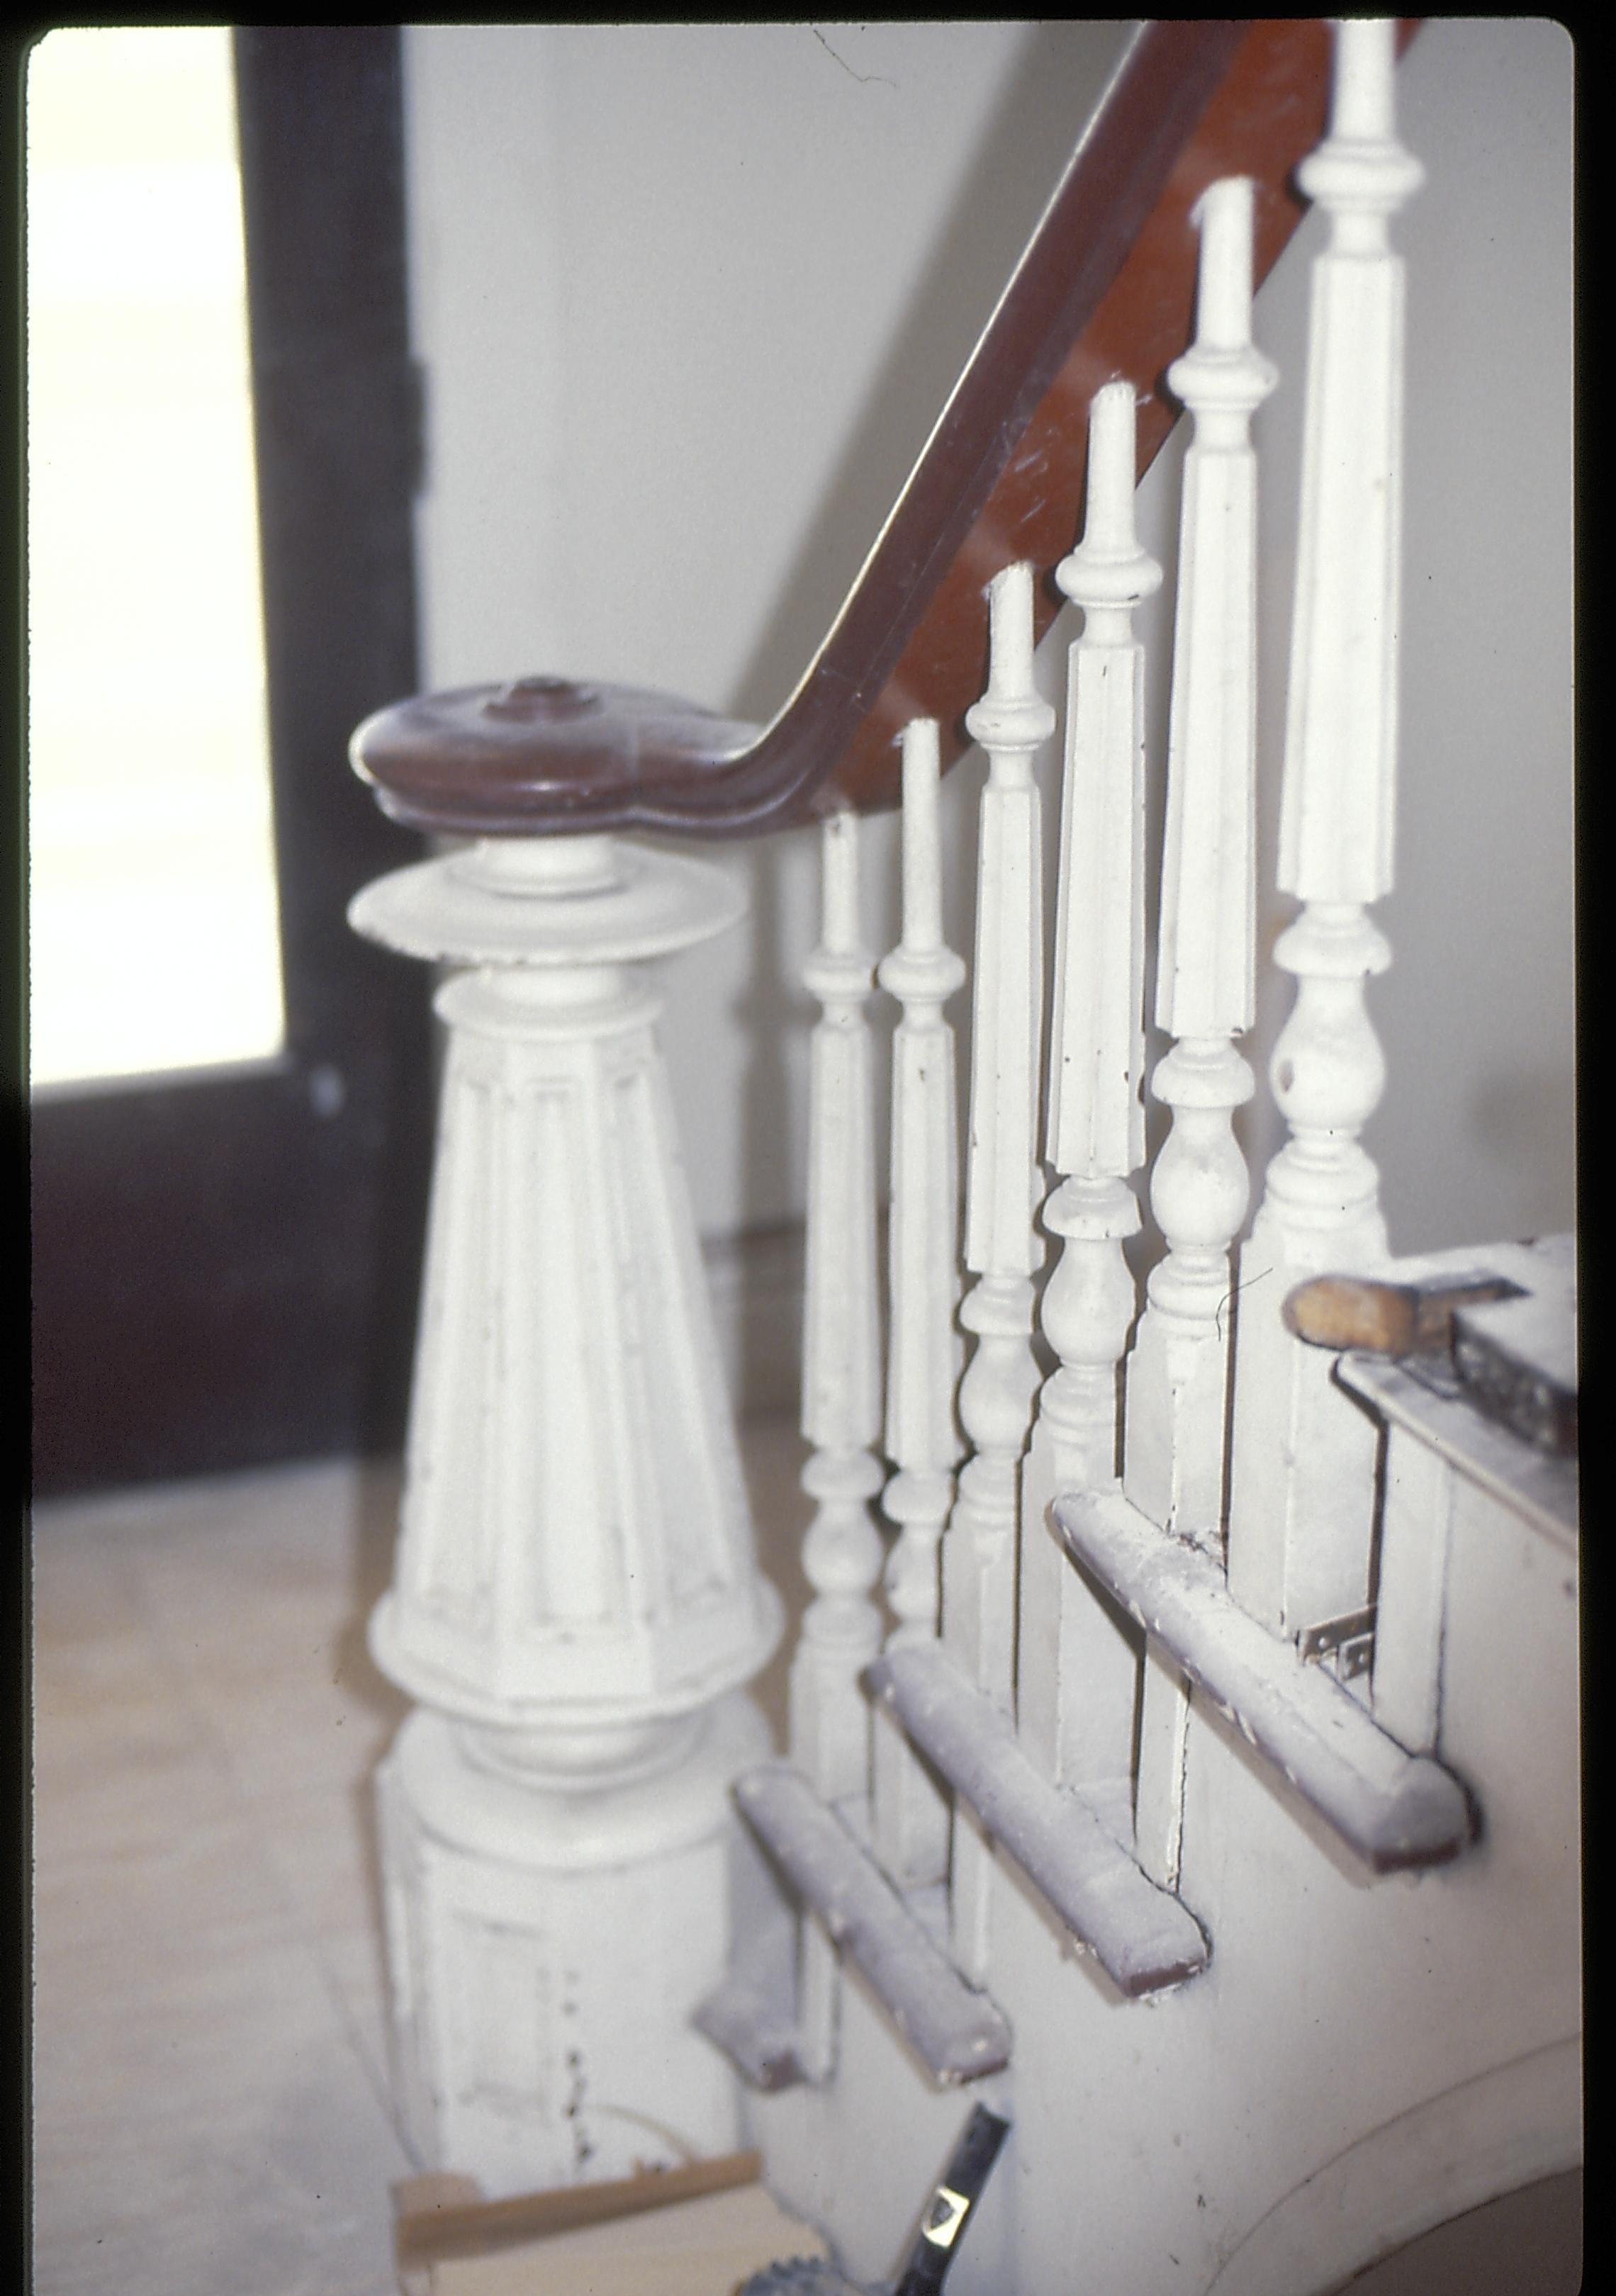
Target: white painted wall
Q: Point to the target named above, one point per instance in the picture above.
(690, 297)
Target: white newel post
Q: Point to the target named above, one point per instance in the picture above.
(1177, 1387)
(1302, 1479)
(576, 1601)
(911, 1819)
(1003, 1249)
(1076, 1694)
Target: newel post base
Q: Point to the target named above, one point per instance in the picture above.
(576, 1601)
(547, 1948)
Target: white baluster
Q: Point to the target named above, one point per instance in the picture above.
(1174, 1452)
(841, 1556)
(1076, 1688)
(1303, 1466)
(1002, 1248)
(911, 1820)
(1177, 1388)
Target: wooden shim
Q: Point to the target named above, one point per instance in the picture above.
(426, 2233)
(1395, 1809)
(956, 2031)
(1141, 1936)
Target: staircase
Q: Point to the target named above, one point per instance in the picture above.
(1166, 1752)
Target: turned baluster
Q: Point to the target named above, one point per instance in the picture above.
(923, 1440)
(841, 1556)
(1174, 1447)
(1076, 1690)
(1302, 1474)
(1002, 1247)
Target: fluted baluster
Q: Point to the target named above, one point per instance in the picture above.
(1003, 1249)
(911, 1820)
(841, 1556)
(1174, 1446)
(1075, 1672)
(1174, 1461)
(1303, 1466)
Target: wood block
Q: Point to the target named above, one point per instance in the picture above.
(704, 2247)
(702, 2228)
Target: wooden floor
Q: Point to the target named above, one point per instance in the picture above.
(210, 2090)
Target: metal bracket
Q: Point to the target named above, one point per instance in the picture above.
(1346, 1646)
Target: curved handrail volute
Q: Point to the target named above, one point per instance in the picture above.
(1105, 288)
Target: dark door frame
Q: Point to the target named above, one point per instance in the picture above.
(225, 1264)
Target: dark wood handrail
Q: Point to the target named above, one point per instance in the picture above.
(1105, 289)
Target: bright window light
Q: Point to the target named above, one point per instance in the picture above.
(153, 927)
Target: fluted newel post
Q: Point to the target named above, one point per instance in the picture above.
(924, 1360)
(1003, 1248)
(841, 1556)
(576, 1600)
(1174, 1459)
(1076, 1691)
(1302, 1471)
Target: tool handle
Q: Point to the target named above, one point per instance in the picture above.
(953, 2205)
